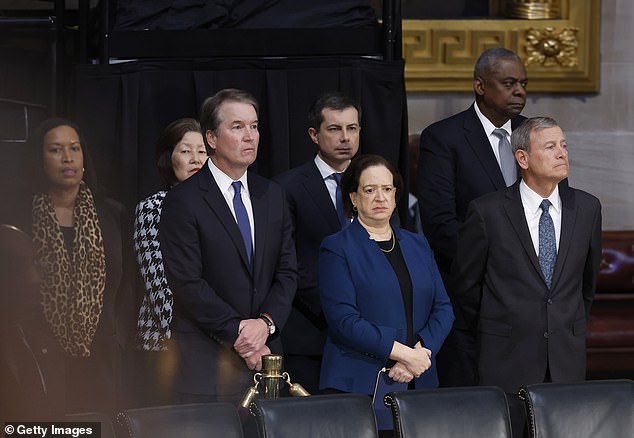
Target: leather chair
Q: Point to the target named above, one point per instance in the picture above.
(600, 408)
(610, 334)
(317, 416)
(198, 420)
(450, 412)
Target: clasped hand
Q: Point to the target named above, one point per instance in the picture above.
(411, 363)
(250, 345)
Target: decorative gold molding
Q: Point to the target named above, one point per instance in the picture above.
(561, 55)
(549, 47)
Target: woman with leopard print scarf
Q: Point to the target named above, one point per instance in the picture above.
(79, 246)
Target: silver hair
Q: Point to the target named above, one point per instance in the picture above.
(521, 137)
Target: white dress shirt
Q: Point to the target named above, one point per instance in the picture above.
(224, 184)
(326, 173)
(532, 211)
(494, 140)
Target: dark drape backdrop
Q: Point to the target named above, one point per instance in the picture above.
(213, 14)
(122, 108)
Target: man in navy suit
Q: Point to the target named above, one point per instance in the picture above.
(311, 189)
(526, 269)
(226, 237)
(460, 160)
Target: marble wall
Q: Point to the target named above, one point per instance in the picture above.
(599, 127)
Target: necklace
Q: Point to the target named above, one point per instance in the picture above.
(393, 239)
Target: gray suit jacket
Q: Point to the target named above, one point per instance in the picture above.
(523, 327)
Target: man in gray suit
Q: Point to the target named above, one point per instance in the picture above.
(526, 267)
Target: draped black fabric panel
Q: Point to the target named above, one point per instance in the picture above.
(122, 108)
(213, 14)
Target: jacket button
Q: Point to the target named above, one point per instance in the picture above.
(549, 301)
(546, 335)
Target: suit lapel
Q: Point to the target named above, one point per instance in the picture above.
(568, 220)
(515, 212)
(260, 215)
(476, 138)
(218, 205)
(314, 185)
(412, 257)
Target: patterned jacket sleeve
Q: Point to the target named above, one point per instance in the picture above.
(155, 314)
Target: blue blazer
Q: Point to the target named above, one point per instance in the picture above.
(363, 305)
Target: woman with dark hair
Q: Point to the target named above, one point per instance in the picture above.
(381, 292)
(180, 152)
(77, 235)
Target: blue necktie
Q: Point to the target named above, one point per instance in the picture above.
(507, 159)
(242, 218)
(343, 219)
(547, 243)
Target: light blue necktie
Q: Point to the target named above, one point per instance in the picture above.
(507, 159)
(242, 218)
(547, 243)
(343, 219)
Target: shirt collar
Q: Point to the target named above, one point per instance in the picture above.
(487, 125)
(324, 168)
(411, 200)
(224, 181)
(532, 200)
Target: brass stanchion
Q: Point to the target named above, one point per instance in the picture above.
(271, 379)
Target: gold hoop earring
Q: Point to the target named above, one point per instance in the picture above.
(354, 208)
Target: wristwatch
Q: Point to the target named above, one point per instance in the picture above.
(268, 322)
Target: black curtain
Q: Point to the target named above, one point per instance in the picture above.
(213, 14)
(122, 108)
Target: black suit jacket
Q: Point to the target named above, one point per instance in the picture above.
(456, 165)
(522, 326)
(214, 285)
(314, 217)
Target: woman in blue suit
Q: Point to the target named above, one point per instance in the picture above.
(381, 293)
